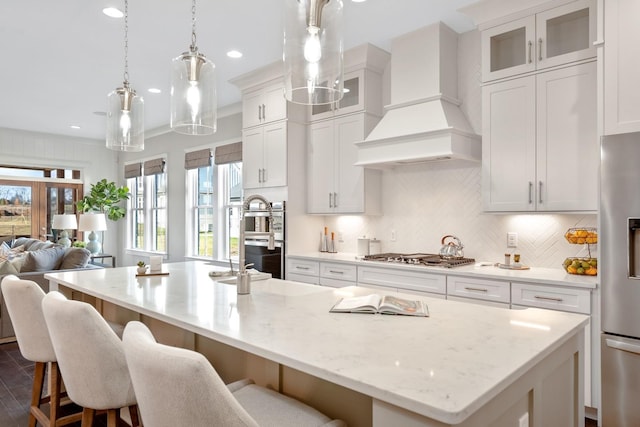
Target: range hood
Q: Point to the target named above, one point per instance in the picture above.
(424, 121)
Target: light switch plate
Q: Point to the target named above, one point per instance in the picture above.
(512, 239)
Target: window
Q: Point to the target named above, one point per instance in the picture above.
(214, 203)
(147, 207)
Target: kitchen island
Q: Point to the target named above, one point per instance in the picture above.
(465, 365)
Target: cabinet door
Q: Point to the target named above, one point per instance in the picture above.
(567, 143)
(275, 155)
(508, 49)
(349, 178)
(252, 109)
(566, 34)
(508, 145)
(252, 157)
(320, 167)
(621, 67)
(275, 104)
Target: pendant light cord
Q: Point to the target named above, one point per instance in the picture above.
(193, 26)
(126, 43)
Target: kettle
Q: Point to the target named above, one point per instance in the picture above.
(451, 250)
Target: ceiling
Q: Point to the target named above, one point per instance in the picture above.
(61, 58)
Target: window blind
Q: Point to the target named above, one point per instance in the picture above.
(229, 153)
(197, 159)
(153, 167)
(133, 170)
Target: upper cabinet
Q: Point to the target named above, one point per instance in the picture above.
(552, 37)
(263, 106)
(540, 145)
(621, 66)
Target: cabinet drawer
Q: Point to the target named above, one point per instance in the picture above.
(312, 280)
(303, 267)
(402, 279)
(486, 290)
(338, 271)
(335, 283)
(552, 297)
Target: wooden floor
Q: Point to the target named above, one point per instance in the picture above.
(16, 376)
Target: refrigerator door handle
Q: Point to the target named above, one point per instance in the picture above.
(624, 346)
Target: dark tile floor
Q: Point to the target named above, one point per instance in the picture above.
(16, 376)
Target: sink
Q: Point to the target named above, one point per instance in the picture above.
(230, 279)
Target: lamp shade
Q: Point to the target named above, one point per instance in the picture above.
(64, 222)
(313, 51)
(125, 120)
(92, 222)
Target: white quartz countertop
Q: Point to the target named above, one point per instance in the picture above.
(445, 366)
(544, 276)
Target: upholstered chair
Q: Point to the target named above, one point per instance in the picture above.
(177, 387)
(24, 304)
(91, 359)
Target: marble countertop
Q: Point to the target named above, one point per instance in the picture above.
(544, 276)
(444, 367)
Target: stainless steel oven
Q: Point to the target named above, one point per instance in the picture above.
(256, 219)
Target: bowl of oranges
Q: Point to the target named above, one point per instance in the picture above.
(579, 236)
(581, 266)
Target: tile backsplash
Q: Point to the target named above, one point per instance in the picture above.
(423, 203)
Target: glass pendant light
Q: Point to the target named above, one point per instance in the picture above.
(125, 109)
(193, 90)
(313, 51)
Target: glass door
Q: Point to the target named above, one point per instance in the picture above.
(60, 198)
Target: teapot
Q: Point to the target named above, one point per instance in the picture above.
(451, 250)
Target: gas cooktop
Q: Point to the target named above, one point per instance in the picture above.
(419, 259)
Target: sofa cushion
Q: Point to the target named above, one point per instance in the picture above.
(75, 258)
(31, 244)
(7, 267)
(43, 259)
(8, 239)
(6, 252)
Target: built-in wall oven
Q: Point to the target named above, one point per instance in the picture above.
(256, 219)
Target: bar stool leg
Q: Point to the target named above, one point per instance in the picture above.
(87, 417)
(36, 392)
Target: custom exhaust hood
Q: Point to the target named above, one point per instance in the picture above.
(423, 122)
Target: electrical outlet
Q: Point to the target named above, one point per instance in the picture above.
(393, 235)
(523, 421)
(340, 236)
(512, 239)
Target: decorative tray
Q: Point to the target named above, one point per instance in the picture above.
(513, 266)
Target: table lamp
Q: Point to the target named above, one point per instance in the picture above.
(63, 223)
(93, 222)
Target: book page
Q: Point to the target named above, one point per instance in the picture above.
(367, 303)
(396, 305)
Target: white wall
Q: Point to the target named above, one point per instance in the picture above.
(424, 202)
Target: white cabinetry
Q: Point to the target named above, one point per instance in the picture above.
(552, 37)
(479, 289)
(562, 299)
(334, 184)
(264, 155)
(337, 275)
(263, 106)
(621, 66)
(540, 146)
(402, 279)
(303, 270)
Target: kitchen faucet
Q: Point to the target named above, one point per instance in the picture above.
(243, 280)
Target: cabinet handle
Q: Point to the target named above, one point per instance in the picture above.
(540, 49)
(540, 192)
(547, 298)
(301, 268)
(468, 288)
(264, 112)
(330, 201)
(335, 200)
(530, 192)
(336, 272)
(530, 49)
(264, 175)
(259, 113)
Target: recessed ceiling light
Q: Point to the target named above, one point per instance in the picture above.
(234, 54)
(74, 127)
(154, 90)
(358, 1)
(112, 12)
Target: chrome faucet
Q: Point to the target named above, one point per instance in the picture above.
(243, 280)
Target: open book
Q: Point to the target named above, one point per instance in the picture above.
(387, 304)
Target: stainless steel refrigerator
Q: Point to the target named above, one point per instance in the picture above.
(619, 270)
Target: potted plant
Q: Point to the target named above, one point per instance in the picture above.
(105, 197)
(142, 267)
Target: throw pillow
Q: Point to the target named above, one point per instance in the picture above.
(7, 267)
(5, 251)
(75, 258)
(8, 239)
(43, 259)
